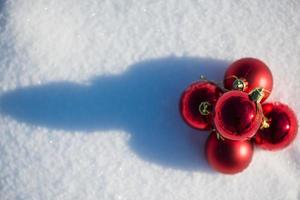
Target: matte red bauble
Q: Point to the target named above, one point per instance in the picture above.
(280, 129)
(228, 156)
(197, 102)
(247, 74)
(237, 117)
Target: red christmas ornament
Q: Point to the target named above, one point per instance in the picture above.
(247, 74)
(279, 128)
(228, 156)
(237, 115)
(197, 102)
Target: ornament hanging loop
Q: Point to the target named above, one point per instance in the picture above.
(205, 108)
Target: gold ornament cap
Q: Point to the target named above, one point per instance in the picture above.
(265, 123)
(257, 94)
(239, 84)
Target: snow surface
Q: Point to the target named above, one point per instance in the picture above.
(89, 96)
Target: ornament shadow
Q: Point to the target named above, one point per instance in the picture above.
(3, 15)
(143, 101)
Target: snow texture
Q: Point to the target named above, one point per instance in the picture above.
(89, 97)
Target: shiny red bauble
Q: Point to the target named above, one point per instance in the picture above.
(247, 74)
(236, 116)
(281, 127)
(197, 102)
(228, 156)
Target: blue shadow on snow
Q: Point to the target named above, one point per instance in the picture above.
(143, 101)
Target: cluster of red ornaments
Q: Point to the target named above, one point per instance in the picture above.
(237, 116)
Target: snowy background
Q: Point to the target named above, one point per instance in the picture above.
(89, 97)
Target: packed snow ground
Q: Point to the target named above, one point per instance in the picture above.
(89, 92)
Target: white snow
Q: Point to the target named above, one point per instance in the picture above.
(89, 97)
